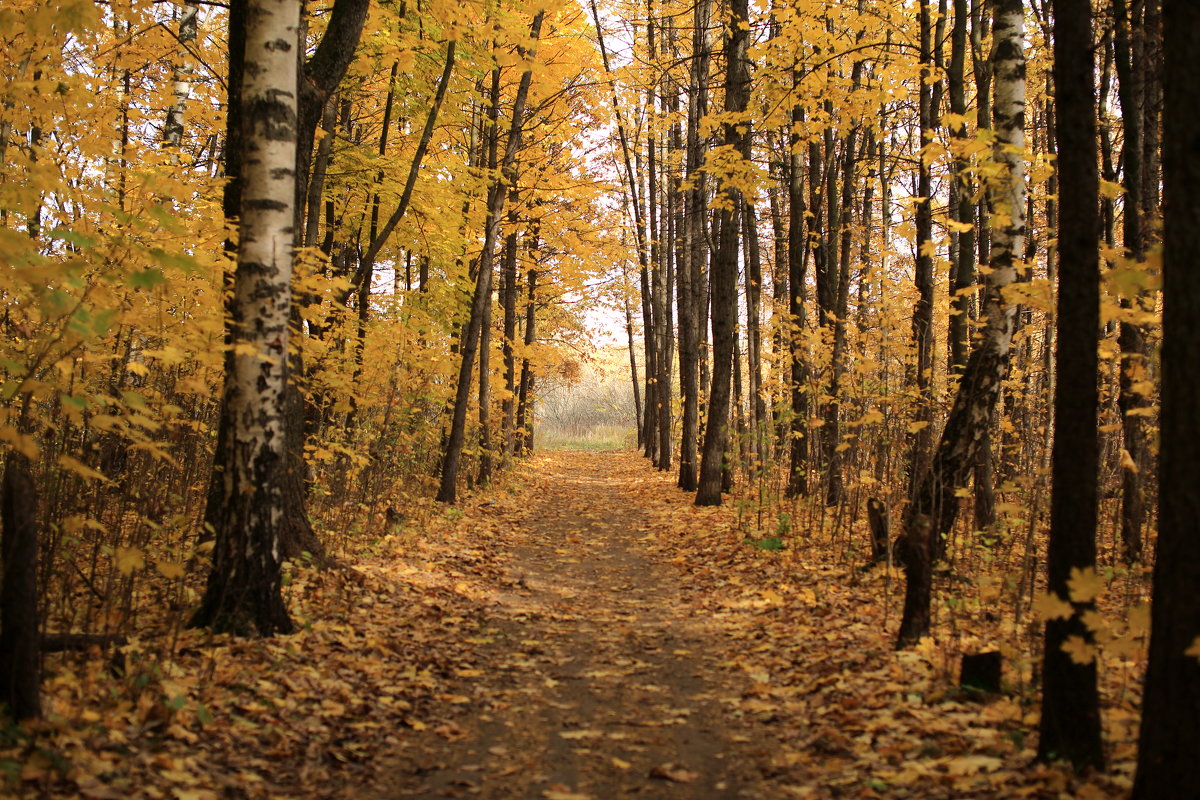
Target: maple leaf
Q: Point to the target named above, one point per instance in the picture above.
(1080, 651)
(1050, 606)
(1085, 585)
(129, 559)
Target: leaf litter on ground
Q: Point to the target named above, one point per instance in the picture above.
(438, 639)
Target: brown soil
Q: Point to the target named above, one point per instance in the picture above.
(598, 681)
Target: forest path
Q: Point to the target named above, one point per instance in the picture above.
(597, 680)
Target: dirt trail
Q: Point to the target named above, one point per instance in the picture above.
(599, 684)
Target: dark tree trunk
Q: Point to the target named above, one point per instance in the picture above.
(1170, 732)
(797, 264)
(659, 289)
(633, 372)
(646, 420)
(508, 299)
(758, 402)
(725, 265)
(920, 442)
(448, 491)
(524, 415)
(831, 431)
(1132, 339)
(20, 659)
(486, 461)
(1070, 724)
(691, 316)
(964, 273)
(319, 78)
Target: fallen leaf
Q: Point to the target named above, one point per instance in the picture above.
(673, 773)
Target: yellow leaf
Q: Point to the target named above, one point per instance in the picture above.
(1084, 585)
(871, 416)
(1050, 606)
(193, 794)
(581, 734)
(559, 794)
(1127, 461)
(169, 569)
(970, 765)
(1079, 650)
(1139, 618)
(1194, 650)
(80, 469)
(915, 427)
(129, 559)
(25, 445)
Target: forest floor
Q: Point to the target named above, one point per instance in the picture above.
(580, 631)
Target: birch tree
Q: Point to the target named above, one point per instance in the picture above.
(243, 592)
(934, 505)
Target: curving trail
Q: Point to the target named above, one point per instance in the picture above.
(599, 681)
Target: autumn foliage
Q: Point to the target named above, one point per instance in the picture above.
(833, 245)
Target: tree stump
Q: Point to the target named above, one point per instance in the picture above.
(877, 516)
(981, 671)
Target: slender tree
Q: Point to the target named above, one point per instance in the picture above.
(1070, 724)
(725, 265)
(931, 513)
(691, 280)
(181, 79)
(497, 195)
(797, 267)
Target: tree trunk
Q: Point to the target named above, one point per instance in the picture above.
(758, 402)
(921, 441)
(181, 86)
(1132, 339)
(524, 414)
(1170, 731)
(797, 266)
(725, 265)
(319, 78)
(20, 656)
(1070, 724)
(964, 273)
(691, 316)
(448, 491)
(508, 300)
(931, 513)
(243, 591)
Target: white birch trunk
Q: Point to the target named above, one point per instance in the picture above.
(181, 79)
(1006, 194)
(262, 286)
(931, 514)
(243, 593)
